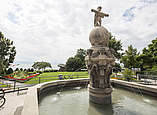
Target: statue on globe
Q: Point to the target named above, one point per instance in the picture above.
(98, 16)
(99, 61)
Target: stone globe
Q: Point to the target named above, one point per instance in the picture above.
(99, 36)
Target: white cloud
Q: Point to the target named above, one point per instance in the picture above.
(52, 30)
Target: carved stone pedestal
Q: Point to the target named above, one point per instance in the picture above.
(100, 96)
(99, 61)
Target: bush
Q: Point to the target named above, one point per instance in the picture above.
(21, 69)
(32, 70)
(17, 69)
(128, 74)
(40, 72)
(10, 71)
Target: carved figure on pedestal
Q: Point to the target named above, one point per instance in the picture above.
(98, 16)
(94, 76)
(108, 72)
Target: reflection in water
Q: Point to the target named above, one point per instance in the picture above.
(95, 109)
(76, 102)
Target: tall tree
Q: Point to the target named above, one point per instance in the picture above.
(73, 64)
(77, 62)
(41, 65)
(7, 53)
(149, 55)
(116, 48)
(116, 45)
(81, 53)
(130, 58)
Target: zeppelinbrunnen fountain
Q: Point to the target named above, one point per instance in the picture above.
(69, 97)
(99, 61)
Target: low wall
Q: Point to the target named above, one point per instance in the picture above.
(136, 87)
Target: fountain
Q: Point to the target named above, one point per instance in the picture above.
(72, 96)
(99, 61)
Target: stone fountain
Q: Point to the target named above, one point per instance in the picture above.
(99, 62)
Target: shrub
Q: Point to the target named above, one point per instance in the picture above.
(9, 71)
(127, 74)
(40, 72)
(21, 69)
(17, 69)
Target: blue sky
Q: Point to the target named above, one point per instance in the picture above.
(53, 30)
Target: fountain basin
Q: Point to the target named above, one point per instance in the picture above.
(34, 93)
(76, 101)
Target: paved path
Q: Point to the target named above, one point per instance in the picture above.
(13, 103)
(12, 83)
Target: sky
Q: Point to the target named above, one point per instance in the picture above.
(53, 30)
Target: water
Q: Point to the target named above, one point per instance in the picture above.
(76, 102)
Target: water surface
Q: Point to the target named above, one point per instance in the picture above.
(76, 102)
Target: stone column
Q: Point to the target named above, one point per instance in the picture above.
(99, 61)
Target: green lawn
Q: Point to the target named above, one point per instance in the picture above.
(3, 85)
(44, 77)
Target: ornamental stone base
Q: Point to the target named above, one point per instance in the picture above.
(100, 96)
(100, 61)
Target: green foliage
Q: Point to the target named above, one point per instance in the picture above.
(21, 69)
(77, 62)
(81, 53)
(116, 45)
(10, 71)
(129, 58)
(28, 70)
(117, 68)
(73, 64)
(32, 70)
(127, 74)
(21, 74)
(7, 53)
(41, 65)
(17, 69)
(148, 57)
(25, 70)
(151, 71)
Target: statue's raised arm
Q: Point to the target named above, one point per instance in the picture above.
(98, 16)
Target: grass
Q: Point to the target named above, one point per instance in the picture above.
(51, 76)
(3, 85)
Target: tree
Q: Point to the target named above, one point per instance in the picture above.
(32, 70)
(25, 70)
(73, 64)
(17, 69)
(130, 58)
(61, 67)
(9, 71)
(77, 62)
(148, 57)
(127, 74)
(116, 45)
(116, 68)
(81, 53)
(41, 65)
(7, 53)
(28, 70)
(21, 69)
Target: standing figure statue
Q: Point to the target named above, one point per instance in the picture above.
(98, 16)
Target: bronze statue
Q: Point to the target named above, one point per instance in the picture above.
(98, 16)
